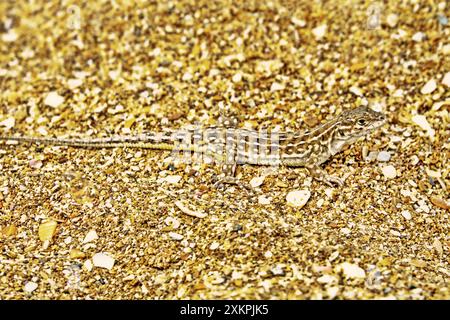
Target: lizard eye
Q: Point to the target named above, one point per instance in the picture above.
(361, 122)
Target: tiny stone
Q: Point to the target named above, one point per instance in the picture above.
(53, 99)
(446, 49)
(187, 76)
(8, 123)
(356, 91)
(276, 86)
(389, 172)
(30, 286)
(437, 245)
(74, 83)
(442, 19)
(47, 230)
(423, 123)
(429, 87)
(214, 245)
(392, 20)
(345, 231)
(35, 164)
(237, 77)
(76, 254)
(90, 236)
(319, 32)
(172, 179)
(418, 36)
(332, 292)
(257, 181)
(326, 278)
(277, 270)
(88, 265)
(372, 156)
(351, 270)
(446, 79)
(172, 222)
(175, 236)
(383, 156)
(406, 214)
(103, 260)
(263, 200)
(298, 198)
(10, 36)
(298, 22)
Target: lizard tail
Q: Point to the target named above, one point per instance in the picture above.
(144, 141)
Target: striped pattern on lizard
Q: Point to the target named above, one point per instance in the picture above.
(232, 146)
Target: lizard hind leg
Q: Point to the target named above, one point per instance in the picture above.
(321, 175)
(228, 177)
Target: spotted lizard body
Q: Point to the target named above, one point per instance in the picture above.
(233, 146)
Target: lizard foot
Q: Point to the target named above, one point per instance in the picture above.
(232, 180)
(333, 181)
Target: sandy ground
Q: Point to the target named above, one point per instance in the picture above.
(132, 224)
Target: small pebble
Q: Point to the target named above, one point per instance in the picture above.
(10, 36)
(326, 278)
(53, 99)
(172, 222)
(263, 200)
(320, 31)
(35, 164)
(406, 214)
(187, 76)
(172, 179)
(8, 123)
(76, 254)
(437, 245)
(103, 260)
(214, 245)
(88, 265)
(298, 198)
(237, 77)
(356, 91)
(446, 79)
(442, 19)
(74, 83)
(429, 87)
(298, 22)
(90, 236)
(423, 123)
(47, 230)
(389, 172)
(351, 270)
(186, 210)
(276, 86)
(383, 156)
(392, 20)
(30, 286)
(418, 36)
(257, 181)
(176, 236)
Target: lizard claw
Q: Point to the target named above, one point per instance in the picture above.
(231, 180)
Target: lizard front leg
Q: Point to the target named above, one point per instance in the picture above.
(321, 175)
(228, 177)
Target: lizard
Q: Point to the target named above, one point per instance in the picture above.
(233, 146)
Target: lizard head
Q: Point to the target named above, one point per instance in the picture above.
(353, 124)
(358, 122)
